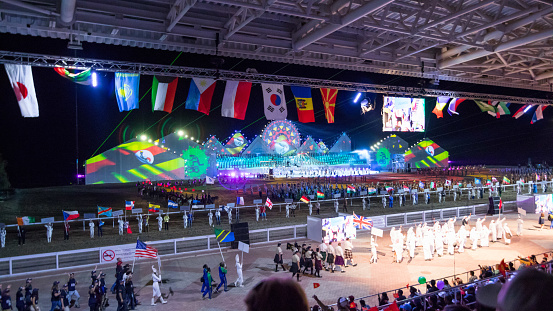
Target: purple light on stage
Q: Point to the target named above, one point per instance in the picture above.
(80, 176)
(232, 174)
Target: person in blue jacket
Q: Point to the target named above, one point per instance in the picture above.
(222, 276)
(206, 282)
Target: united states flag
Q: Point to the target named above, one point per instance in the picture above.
(144, 251)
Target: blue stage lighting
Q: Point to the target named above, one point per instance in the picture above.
(357, 97)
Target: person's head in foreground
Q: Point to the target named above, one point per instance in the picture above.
(276, 294)
(527, 290)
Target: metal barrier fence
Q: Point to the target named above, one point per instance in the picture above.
(86, 257)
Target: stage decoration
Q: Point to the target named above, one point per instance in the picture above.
(538, 114)
(366, 106)
(322, 147)
(163, 94)
(422, 280)
(329, 101)
(309, 146)
(281, 137)
(256, 147)
(235, 99)
(235, 144)
(196, 163)
(126, 90)
(83, 77)
(441, 102)
(200, 94)
(403, 114)
(213, 145)
(21, 80)
(274, 101)
(389, 150)
(304, 103)
(426, 153)
(343, 144)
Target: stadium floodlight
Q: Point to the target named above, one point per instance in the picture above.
(94, 79)
(357, 97)
(191, 138)
(180, 132)
(143, 137)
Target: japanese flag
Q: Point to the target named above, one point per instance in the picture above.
(21, 80)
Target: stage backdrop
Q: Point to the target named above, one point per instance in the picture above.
(426, 153)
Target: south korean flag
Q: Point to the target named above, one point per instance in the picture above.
(274, 101)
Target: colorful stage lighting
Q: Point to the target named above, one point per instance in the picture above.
(180, 133)
(94, 79)
(357, 97)
(143, 137)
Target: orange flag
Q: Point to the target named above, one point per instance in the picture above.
(329, 101)
(315, 285)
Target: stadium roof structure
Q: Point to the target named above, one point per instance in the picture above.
(493, 42)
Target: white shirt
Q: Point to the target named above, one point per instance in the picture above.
(330, 249)
(323, 247)
(339, 251)
(348, 245)
(279, 250)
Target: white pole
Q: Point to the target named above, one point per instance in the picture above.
(220, 250)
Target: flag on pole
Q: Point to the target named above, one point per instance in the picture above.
(200, 94)
(502, 109)
(453, 104)
(503, 268)
(432, 185)
(329, 102)
(239, 200)
(129, 205)
(421, 184)
(163, 94)
(506, 180)
(235, 99)
(21, 80)
(104, 211)
(209, 180)
(371, 191)
(274, 101)
(320, 195)
(223, 235)
(484, 106)
(172, 204)
(521, 111)
(316, 285)
(304, 103)
(500, 204)
(126, 90)
(23, 221)
(441, 102)
(538, 114)
(448, 182)
(269, 203)
(70, 215)
(305, 199)
(494, 179)
(488, 182)
(153, 208)
(144, 251)
(351, 189)
(361, 222)
(477, 181)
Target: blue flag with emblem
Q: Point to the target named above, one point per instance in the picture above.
(172, 204)
(126, 90)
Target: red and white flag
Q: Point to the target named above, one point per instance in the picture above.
(21, 80)
(235, 99)
(163, 94)
(268, 203)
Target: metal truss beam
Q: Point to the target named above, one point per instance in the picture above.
(177, 11)
(190, 72)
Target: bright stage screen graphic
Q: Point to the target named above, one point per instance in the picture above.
(403, 114)
(338, 228)
(544, 203)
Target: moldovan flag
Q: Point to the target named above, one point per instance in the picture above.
(163, 94)
(23, 221)
(520, 111)
(304, 103)
(129, 205)
(200, 94)
(274, 101)
(329, 101)
(126, 90)
(453, 104)
(235, 100)
(538, 115)
(440, 105)
(70, 215)
(21, 79)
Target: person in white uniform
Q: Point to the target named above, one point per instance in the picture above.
(485, 236)
(426, 245)
(439, 242)
(49, 229)
(519, 225)
(462, 238)
(451, 242)
(411, 242)
(493, 230)
(155, 286)
(474, 238)
(374, 257)
(239, 282)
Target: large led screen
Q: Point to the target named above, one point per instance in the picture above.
(338, 228)
(403, 114)
(544, 203)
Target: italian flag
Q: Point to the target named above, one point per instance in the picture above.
(163, 95)
(320, 195)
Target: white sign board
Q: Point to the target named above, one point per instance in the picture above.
(522, 211)
(47, 220)
(377, 232)
(89, 215)
(197, 206)
(288, 200)
(455, 186)
(440, 189)
(210, 206)
(117, 213)
(337, 195)
(258, 201)
(362, 192)
(111, 253)
(137, 211)
(231, 204)
(244, 247)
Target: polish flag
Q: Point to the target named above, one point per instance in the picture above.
(235, 99)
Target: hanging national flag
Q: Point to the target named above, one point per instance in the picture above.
(506, 180)
(223, 235)
(453, 104)
(538, 114)
(320, 195)
(305, 199)
(163, 94)
(153, 208)
(502, 109)
(361, 222)
(200, 94)
(144, 251)
(83, 77)
(269, 203)
(304, 103)
(239, 200)
(129, 205)
(371, 191)
(329, 102)
(235, 99)
(70, 215)
(23, 221)
(274, 101)
(104, 211)
(209, 180)
(126, 90)
(172, 204)
(485, 107)
(521, 111)
(441, 102)
(21, 80)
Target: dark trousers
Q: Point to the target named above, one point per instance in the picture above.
(100, 232)
(166, 226)
(66, 235)
(21, 238)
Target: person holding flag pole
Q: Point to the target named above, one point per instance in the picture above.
(223, 236)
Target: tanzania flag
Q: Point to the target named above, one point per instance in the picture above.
(153, 208)
(329, 102)
(104, 211)
(304, 103)
(305, 199)
(506, 180)
(223, 235)
(351, 189)
(320, 195)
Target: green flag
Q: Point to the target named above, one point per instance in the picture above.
(485, 106)
(223, 235)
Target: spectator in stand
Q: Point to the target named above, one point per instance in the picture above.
(526, 291)
(363, 305)
(456, 308)
(432, 287)
(268, 296)
(352, 304)
(383, 300)
(341, 304)
(400, 295)
(472, 277)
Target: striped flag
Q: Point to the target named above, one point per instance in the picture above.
(351, 189)
(200, 94)
(432, 185)
(153, 208)
(69, 215)
(506, 180)
(223, 235)
(129, 205)
(521, 111)
(163, 94)
(453, 104)
(23, 221)
(371, 191)
(269, 203)
(538, 114)
(144, 251)
(305, 199)
(320, 195)
(235, 99)
(172, 204)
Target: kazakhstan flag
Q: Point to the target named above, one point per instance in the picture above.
(126, 90)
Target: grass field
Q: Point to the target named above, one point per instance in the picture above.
(48, 202)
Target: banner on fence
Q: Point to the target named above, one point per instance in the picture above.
(210, 206)
(288, 201)
(117, 213)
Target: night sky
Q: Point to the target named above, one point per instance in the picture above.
(42, 151)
